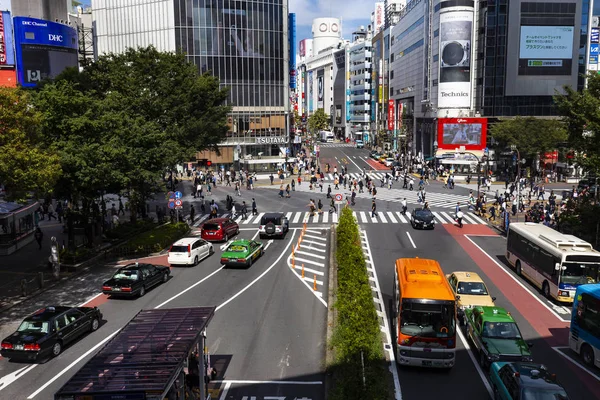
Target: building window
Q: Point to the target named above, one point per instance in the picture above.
(392, 57)
(409, 29)
(435, 82)
(436, 57)
(392, 74)
(436, 33)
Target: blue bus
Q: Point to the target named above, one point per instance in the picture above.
(584, 338)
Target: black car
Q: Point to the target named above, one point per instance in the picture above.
(135, 279)
(422, 218)
(273, 224)
(47, 331)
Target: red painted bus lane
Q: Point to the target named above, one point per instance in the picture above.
(547, 325)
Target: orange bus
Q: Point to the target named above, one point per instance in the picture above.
(424, 315)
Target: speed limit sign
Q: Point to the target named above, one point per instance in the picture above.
(338, 198)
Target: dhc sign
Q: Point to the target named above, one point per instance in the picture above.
(55, 38)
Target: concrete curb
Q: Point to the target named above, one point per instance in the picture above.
(331, 313)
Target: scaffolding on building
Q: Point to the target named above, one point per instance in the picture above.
(86, 44)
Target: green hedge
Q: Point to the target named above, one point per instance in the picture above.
(357, 336)
(126, 230)
(156, 239)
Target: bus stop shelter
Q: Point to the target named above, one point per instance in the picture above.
(147, 359)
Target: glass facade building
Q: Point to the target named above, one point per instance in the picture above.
(244, 43)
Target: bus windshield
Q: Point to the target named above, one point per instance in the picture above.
(427, 319)
(577, 273)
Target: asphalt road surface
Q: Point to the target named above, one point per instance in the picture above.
(267, 337)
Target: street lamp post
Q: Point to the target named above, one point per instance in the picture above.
(435, 149)
(517, 180)
(478, 169)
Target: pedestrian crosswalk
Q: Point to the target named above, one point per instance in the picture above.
(336, 144)
(308, 260)
(395, 194)
(299, 218)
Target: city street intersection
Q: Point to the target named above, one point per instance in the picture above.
(268, 337)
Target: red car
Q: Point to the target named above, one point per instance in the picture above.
(219, 229)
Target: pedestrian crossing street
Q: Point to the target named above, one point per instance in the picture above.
(376, 176)
(362, 217)
(395, 194)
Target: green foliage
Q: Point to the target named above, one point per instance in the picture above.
(582, 219)
(125, 119)
(25, 164)
(356, 337)
(318, 121)
(530, 135)
(129, 229)
(581, 113)
(158, 239)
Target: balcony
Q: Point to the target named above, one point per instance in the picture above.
(360, 65)
(360, 107)
(360, 118)
(361, 96)
(361, 86)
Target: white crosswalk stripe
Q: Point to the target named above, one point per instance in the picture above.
(335, 145)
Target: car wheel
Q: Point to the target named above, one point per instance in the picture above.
(166, 277)
(546, 289)
(56, 349)
(226, 238)
(518, 267)
(211, 251)
(142, 291)
(482, 360)
(249, 263)
(587, 355)
(237, 231)
(196, 260)
(95, 325)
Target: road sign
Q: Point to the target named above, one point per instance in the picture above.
(339, 199)
(178, 203)
(171, 195)
(178, 195)
(171, 204)
(486, 150)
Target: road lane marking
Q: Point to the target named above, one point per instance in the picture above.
(270, 242)
(401, 217)
(475, 363)
(224, 246)
(190, 288)
(225, 390)
(411, 240)
(323, 239)
(517, 281)
(381, 217)
(13, 376)
(296, 218)
(391, 217)
(385, 329)
(241, 382)
(577, 364)
(284, 251)
(255, 235)
(90, 300)
(304, 260)
(310, 254)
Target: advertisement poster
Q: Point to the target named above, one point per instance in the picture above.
(391, 105)
(310, 93)
(546, 50)
(455, 133)
(454, 87)
(302, 48)
(320, 88)
(379, 18)
(292, 55)
(7, 52)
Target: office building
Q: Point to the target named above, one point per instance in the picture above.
(49, 10)
(361, 87)
(243, 43)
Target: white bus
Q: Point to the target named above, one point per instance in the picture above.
(556, 263)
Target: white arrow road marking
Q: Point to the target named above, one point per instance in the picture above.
(13, 376)
(226, 245)
(268, 244)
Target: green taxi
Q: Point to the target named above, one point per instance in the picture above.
(242, 253)
(496, 336)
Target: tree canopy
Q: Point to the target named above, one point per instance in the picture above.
(318, 121)
(530, 135)
(25, 164)
(581, 114)
(124, 119)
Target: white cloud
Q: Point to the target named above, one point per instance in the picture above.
(352, 13)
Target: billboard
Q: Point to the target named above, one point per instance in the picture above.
(302, 48)
(594, 49)
(43, 49)
(454, 87)
(310, 92)
(292, 40)
(546, 50)
(320, 88)
(455, 133)
(379, 17)
(391, 116)
(7, 48)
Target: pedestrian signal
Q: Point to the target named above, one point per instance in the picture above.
(208, 163)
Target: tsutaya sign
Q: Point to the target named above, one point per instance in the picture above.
(271, 140)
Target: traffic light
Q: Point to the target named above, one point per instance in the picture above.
(208, 163)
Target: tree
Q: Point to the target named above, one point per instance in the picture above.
(580, 112)
(125, 119)
(318, 121)
(530, 135)
(25, 164)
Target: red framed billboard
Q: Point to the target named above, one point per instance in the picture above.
(470, 133)
(391, 105)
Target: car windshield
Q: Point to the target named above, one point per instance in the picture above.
(127, 274)
(178, 249)
(544, 394)
(237, 248)
(501, 330)
(474, 288)
(433, 320)
(210, 227)
(423, 213)
(33, 326)
(576, 273)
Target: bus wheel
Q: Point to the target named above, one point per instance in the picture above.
(518, 267)
(546, 289)
(587, 354)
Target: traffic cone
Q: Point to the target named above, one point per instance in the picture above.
(293, 261)
(303, 270)
(315, 283)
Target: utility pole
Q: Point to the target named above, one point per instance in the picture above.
(518, 178)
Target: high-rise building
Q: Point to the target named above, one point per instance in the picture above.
(243, 43)
(361, 86)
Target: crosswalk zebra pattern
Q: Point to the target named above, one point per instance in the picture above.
(362, 217)
(336, 144)
(310, 259)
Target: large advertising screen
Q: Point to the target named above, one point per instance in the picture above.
(292, 44)
(454, 133)
(320, 88)
(43, 48)
(546, 50)
(310, 92)
(7, 50)
(454, 86)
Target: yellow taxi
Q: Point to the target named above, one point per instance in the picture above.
(470, 291)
